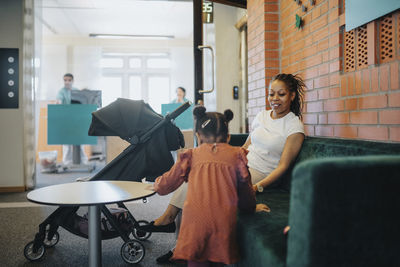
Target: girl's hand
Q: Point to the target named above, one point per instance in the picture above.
(262, 208)
(150, 187)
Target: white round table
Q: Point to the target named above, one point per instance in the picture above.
(92, 194)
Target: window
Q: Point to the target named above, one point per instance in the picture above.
(135, 62)
(111, 62)
(136, 76)
(111, 89)
(158, 92)
(159, 63)
(135, 87)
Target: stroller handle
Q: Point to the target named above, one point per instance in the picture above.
(178, 111)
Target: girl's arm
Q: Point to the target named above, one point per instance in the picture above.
(247, 199)
(290, 151)
(172, 179)
(246, 196)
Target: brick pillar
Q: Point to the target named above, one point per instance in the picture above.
(263, 51)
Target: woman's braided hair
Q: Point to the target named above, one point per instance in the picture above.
(212, 125)
(294, 84)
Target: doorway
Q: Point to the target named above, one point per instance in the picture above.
(224, 73)
(115, 47)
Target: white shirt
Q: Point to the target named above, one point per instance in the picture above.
(268, 139)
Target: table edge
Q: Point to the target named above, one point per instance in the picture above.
(89, 204)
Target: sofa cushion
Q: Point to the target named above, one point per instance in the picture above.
(260, 235)
(317, 147)
(344, 212)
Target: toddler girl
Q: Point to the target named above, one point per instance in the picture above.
(218, 184)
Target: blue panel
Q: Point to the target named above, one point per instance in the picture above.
(359, 12)
(185, 120)
(69, 124)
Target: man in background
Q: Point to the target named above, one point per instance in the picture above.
(64, 97)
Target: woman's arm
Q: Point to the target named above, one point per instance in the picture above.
(247, 143)
(290, 151)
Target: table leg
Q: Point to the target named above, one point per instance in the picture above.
(94, 236)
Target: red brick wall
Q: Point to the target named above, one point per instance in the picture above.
(263, 51)
(362, 104)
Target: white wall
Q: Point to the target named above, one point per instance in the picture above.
(11, 120)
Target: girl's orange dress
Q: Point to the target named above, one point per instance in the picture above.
(218, 183)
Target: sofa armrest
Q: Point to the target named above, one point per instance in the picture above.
(343, 212)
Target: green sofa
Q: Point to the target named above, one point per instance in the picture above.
(341, 199)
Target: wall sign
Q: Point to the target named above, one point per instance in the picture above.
(9, 76)
(299, 21)
(208, 12)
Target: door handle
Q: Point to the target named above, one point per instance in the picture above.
(212, 68)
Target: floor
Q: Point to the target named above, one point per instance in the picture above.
(19, 220)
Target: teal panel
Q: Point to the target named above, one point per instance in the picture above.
(69, 124)
(185, 120)
(359, 12)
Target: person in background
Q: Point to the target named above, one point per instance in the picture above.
(219, 184)
(64, 94)
(64, 97)
(180, 95)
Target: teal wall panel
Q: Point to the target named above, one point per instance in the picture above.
(69, 124)
(185, 120)
(359, 12)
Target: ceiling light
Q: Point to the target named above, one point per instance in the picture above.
(130, 36)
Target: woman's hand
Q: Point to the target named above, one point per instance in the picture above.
(255, 188)
(262, 208)
(247, 143)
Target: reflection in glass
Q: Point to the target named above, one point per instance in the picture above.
(135, 63)
(158, 63)
(135, 87)
(111, 89)
(111, 62)
(159, 92)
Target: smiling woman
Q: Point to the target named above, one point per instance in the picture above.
(290, 91)
(277, 134)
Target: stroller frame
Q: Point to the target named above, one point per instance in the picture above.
(132, 251)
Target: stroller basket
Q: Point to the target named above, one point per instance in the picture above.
(120, 215)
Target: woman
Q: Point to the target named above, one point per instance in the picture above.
(274, 143)
(180, 95)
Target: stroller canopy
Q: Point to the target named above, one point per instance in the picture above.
(149, 158)
(124, 118)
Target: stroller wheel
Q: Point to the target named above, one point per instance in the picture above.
(132, 251)
(139, 234)
(51, 243)
(30, 254)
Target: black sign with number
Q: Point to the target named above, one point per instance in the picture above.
(208, 12)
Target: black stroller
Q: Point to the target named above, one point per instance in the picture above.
(151, 137)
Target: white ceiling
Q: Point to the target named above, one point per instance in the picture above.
(128, 17)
